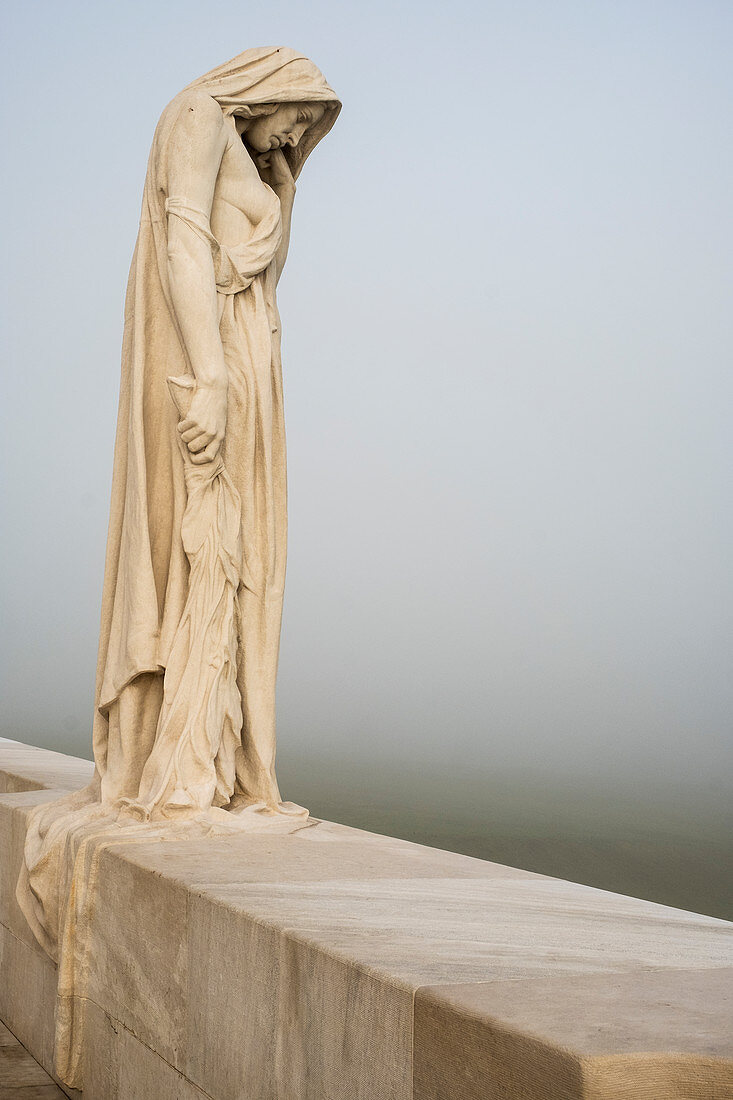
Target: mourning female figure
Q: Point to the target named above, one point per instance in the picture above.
(185, 709)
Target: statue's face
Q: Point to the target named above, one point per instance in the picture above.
(285, 127)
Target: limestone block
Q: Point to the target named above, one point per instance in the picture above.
(578, 1037)
(674, 1077)
(341, 1026)
(232, 1023)
(326, 941)
(143, 1073)
(27, 768)
(285, 966)
(28, 996)
(283, 1017)
(137, 962)
(117, 1066)
(425, 931)
(101, 1055)
(323, 851)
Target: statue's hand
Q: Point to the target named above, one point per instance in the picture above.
(203, 428)
(275, 170)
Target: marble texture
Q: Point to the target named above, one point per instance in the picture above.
(342, 964)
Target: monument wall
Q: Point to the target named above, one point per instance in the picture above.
(332, 962)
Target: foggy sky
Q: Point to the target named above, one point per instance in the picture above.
(507, 350)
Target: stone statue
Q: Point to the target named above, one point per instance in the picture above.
(191, 621)
(184, 729)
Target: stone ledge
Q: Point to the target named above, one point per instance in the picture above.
(298, 967)
(624, 1037)
(27, 768)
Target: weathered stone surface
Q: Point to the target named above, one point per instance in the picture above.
(28, 996)
(286, 966)
(117, 1065)
(232, 1025)
(101, 1055)
(561, 1036)
(27, 768)
(138, 967)
(145, 1073)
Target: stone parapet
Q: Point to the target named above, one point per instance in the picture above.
(335, 964)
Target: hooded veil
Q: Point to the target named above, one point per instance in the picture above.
(273, 75)
(146, 586)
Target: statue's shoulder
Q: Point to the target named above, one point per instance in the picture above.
(194, 111)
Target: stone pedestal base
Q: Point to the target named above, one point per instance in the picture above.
(334, 964)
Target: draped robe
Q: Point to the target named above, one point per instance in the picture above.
(150, 741)
(147, 570)
(148, 584)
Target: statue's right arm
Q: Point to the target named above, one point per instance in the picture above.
(197, 144)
